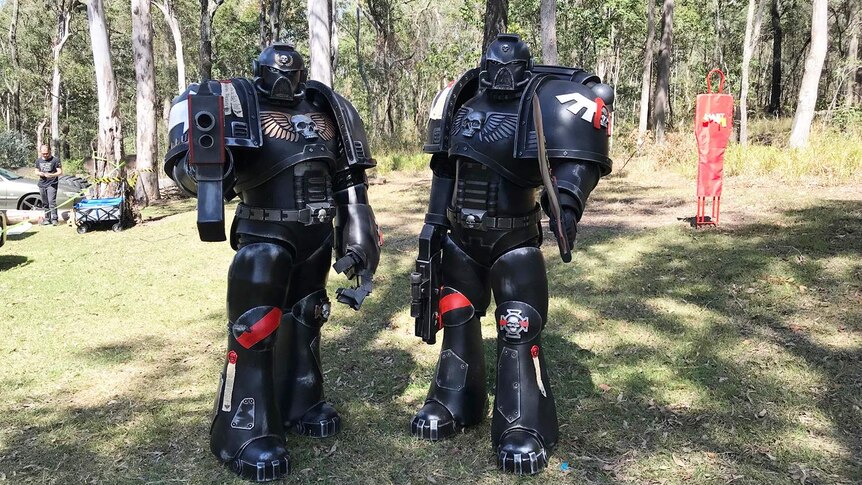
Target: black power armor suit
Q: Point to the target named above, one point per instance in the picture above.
(297, 155)
(482, 232)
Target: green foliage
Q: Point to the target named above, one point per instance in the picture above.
(74, 166)
(16, 150)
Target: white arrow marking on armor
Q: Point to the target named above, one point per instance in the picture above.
(580, 102)
(230, 376)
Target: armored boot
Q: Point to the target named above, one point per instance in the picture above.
(299, 377)
(247, 433)
(457, 397)
(524, 429)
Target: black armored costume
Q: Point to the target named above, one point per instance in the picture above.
(295, 152)
(482, 233)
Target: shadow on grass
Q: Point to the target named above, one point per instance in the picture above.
(9, 261)
(757, 380)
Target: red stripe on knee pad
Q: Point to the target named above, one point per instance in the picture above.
(261, 329)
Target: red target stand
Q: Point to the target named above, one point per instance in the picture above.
(713, 123)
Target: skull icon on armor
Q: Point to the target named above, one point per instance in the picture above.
(473, 123)
(305, 126)
(514, 324)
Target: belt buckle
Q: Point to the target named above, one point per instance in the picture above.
(473, 219)
(317, 213)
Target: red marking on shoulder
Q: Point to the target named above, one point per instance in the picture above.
(231, 357)
(534, 351)
(597, 118)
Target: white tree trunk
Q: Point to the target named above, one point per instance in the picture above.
(647, 73)
(109, 150)
(811, 79)
(145, 101)
(548, 13)
(752, 35)
(320, 41)
(176, 33)
(64, 15)
(852, 60)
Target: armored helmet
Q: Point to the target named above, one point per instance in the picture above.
(506, 65)
(279, 73)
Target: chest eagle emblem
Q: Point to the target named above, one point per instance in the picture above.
(491, 127)
(294, 128)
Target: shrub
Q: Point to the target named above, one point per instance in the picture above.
(15, 150)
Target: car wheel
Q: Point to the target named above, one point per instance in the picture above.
(30, 202)
(117, 227)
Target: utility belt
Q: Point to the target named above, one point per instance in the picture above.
(314, 213)
(477, 219)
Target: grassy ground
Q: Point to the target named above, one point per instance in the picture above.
(677, 356)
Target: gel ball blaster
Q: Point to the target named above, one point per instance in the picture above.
(426, 283)
(207, 159)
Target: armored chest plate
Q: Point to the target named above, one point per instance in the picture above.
(484, 130)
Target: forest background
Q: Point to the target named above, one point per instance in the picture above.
(390, 57)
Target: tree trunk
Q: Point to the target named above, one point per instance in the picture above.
(752, 36)
(549, 31)
(177, 35)
(15, 85)
(319, 41)
(208, 10)
(40, 135)
(145, 102)
(662, 99)
(775, 86)
(496, 20)
(109, 148)
(269, 21)
(360, 64)
(64, 16)
(647, 73)
(852, 59)
(811, 79)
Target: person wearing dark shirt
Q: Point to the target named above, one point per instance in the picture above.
(48, 169)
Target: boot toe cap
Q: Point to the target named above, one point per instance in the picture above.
(522, 453)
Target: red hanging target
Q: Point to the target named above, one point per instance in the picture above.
(713, 124)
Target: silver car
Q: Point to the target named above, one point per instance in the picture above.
(17, 192)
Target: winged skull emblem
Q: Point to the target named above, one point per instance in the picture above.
(491, 127)
(293, 128)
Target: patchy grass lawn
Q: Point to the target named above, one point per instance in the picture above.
(677, 356)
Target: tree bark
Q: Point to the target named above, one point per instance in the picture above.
(269, 21)
(752, 36)
(319, 41)
(662, 98)
(145, 102)
(15, 86)
(852, 59)
(208, 10)
(109, 148)
(811, 79)
(548, 13)
(775, 85)
(647, 72)
(496, 20)
(64, 16)
(174, 24)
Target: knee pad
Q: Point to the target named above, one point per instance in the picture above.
(254, 329)
(518, 322)
(455, 309)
